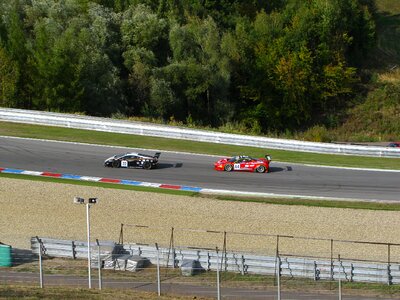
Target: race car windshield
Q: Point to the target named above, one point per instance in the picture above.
(238, 157)
(119, 155)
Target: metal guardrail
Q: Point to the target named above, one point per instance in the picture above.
(141, 128)
(244, 263)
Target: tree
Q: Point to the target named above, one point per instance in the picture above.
(9, 75)
(72, 69)
(197, 73)
(144, 42)
(18, 54)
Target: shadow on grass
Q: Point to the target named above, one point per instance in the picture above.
(22, 256)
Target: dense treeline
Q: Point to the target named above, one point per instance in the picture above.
(271, 65)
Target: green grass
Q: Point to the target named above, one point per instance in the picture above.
(29, 292)
(135, 141)
(317, 203)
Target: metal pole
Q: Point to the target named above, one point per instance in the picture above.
(158, 272)
(331, 260)
(88, 244)
(242, 269)
(218, 287)
(388, 267)
(121, 235)
(279, 278)
(276, 257)
(340, 281)
(99, 262)
(40, 263)
(224, 253)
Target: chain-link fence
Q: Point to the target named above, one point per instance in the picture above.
(217, 264)
(200, 272)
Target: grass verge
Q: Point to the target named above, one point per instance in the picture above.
(136, 141)
(29, 292)
(279, 201)
(78, 269)
(317, 203)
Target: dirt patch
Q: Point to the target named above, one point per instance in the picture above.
(30, 208)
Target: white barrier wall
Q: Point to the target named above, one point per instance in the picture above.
(148, 129)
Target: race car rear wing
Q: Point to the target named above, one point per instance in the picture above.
(157, 155)
(268, 157)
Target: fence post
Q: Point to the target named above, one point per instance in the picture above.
(278, 277)
(389, 273)
(158, 272)
(340, 279)
(99, 263)
(331, 260)
(352, 272)
(121, 235)
(218, 287)
(276, 256)
(73, 250)
(242, 270)
(315, 271)
(40, 262)
(225, 254)
(175, 263)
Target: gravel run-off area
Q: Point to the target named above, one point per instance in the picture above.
(35, 208)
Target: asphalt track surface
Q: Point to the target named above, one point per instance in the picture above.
(197, 171)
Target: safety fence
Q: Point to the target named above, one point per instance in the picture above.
(114, 255)
(141, 128)
(187, 271)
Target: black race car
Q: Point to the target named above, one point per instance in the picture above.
(132, 160)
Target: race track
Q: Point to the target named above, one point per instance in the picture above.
(197, 171)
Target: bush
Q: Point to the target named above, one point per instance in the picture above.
(317, 133)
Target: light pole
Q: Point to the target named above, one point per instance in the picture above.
(78, 200)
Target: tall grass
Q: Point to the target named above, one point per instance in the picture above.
(388, 6)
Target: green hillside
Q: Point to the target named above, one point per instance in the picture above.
(377, 116)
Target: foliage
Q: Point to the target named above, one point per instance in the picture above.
(9, 74)
(377, 118)
(272, 66)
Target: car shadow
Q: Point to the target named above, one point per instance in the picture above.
(279, 169)
(167, 166)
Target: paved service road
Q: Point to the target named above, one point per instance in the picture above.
(197, 171)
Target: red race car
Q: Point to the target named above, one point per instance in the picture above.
(243, 163)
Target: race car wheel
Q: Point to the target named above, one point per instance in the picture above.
(116, 164)
(147, 165)
(228, 167)
(260, 169)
